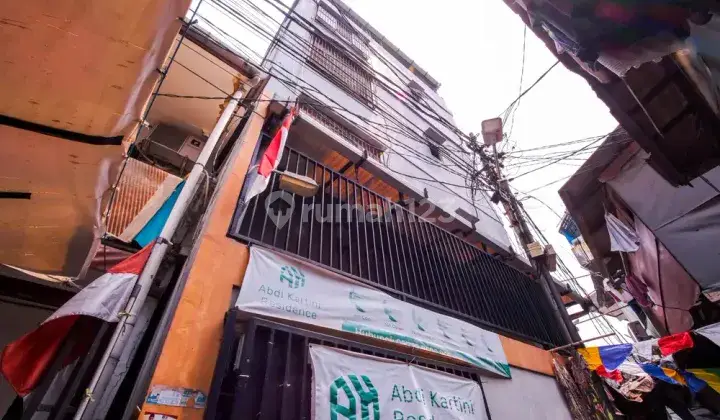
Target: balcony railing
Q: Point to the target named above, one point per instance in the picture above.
(350, 229)
(346, 134)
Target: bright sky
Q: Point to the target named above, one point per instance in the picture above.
(474, 49)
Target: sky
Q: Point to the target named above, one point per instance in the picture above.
(474, 48)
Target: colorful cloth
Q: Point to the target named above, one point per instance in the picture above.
(693, 382)
(709, 376)
(664, 374)
(637, 387)
(615, 375)
(155, 225)
(608, 356)
(674, 343)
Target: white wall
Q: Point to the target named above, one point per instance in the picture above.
(15, 321)
(401, 160)
(527, 395)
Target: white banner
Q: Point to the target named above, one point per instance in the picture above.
(350, 385)
(283, 287)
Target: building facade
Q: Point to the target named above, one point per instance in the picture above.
(391, 229)
(389, 213)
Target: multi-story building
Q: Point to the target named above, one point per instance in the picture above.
(373, 236)
(391, 211)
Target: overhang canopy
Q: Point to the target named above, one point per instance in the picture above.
(663, 106)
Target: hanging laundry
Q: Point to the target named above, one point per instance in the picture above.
(637, 387)
(639, 290)
(665, 374)
(622, 238)
(615, 375)
(608, 356)
(709, 375)
(674, 343)
(711, 332)
(693, 382)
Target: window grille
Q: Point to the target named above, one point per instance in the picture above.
(341, 130)
(342, 69)
(263, 369)
(343, 28)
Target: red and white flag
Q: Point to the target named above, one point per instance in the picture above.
(258, 180)
(24, 361)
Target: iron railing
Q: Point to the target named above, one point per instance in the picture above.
(350, 229)
(263, 370)
(316, 112)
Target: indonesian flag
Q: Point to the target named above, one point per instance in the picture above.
(24, 361)
(270, 159)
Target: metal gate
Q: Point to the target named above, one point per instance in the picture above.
(263, 370)
(350, 229)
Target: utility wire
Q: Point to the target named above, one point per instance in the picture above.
(522, 74)
(542, 76)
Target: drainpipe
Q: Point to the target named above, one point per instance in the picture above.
(123, 330)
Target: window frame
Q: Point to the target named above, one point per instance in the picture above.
(341, 69)
(344, 29)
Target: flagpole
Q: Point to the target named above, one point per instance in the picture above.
(122, 332)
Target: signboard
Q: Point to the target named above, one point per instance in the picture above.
(283, 287)
(350, 385)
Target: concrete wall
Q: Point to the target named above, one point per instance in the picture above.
(406, 158)
(528, 395)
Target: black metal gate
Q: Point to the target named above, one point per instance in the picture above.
(263, 370)
(348, 228)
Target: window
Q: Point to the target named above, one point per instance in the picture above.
(342, 68)
(435, 149)
(417, 93)
(343, 28)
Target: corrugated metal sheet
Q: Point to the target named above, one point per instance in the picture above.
(138, 183)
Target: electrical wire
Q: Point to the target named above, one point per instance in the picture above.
(515, 108)
(446, 184)
(542, 76)
(464, 164)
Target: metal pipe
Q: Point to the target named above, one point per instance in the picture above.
(577, 343)
(124, 328)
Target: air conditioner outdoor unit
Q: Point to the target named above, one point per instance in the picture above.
(174, 145)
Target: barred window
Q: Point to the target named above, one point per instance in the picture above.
(343, 28)
(342, 68)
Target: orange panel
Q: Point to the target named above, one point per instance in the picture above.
(193, 342)
(83, 65)
(526, 356)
